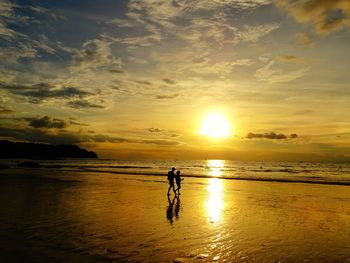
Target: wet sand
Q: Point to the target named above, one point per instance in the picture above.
(89, 217)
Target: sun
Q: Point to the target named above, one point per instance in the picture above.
(215, 125)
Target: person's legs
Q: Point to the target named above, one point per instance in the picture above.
(174, 190)
(169, 189)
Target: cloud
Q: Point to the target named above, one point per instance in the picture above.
(155, 130)
(117, 70)
(304, 112)
(41, 135)
(96, 54)
(144, 82)
(49, 130)
(266, 73)
(293, 135)
(41, 91)
(162, 97)
(73, 121)
(254, 33)
(170, 81)
(8, 15)
(287, 58)
(290, 58)
(304, 40)
(271, 135)
(159, 142)
(4, 110)
(46, 122)
(325, 15)
(15, 44)
(83, 104)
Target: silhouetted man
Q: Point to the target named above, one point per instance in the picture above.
(171, 176)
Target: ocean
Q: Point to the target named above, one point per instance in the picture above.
(302, 172)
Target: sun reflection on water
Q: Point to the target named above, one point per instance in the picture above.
(215, 202)
(215, 168)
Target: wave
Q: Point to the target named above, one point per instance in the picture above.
(306, 180)
(96, 166)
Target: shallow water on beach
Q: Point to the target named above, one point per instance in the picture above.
(327, 173)
(106, 217)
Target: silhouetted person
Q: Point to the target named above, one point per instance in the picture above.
(170, 210)
(171, 176)
(178, 180)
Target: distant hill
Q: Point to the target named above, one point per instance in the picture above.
(42, 151)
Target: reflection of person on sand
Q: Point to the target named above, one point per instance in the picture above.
(171, 176)
(177, 207)
(178, 180)
(169, 210)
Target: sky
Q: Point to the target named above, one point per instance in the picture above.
(135, 79)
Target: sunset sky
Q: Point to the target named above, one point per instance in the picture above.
(137, 78)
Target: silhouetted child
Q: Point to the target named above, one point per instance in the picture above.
(171, 176)
(178, 180)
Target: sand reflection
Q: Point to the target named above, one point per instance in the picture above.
(215, 202)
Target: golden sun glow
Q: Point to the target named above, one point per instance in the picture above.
(215, 125)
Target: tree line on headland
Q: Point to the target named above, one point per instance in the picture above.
(25, 150)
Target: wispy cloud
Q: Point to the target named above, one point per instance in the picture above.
(269, 74)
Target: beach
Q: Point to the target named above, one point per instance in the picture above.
(88, 217)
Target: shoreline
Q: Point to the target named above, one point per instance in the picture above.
(272, 180)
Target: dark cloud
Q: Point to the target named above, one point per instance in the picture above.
(169, 81)
(42, 91)
(144, 82)
(116, 70)
(41, 135)
(287, 58)
(47, 123)
(83, 104)
(293, 135)
(325, 15)
(155, 130)
(4, 110)
(304, 112)
(160, 142)
(67, 137)
(271, 135)
(72, 121)
(162, 97)
(107, 138)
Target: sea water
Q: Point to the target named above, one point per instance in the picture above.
(308, 172)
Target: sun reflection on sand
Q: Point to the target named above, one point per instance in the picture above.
(215, 202)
